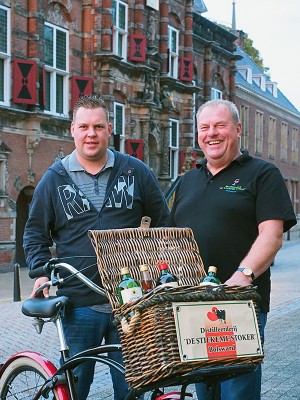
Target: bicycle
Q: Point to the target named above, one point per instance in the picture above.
(29, 375)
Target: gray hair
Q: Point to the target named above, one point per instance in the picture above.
(90, 101)
(217, 102)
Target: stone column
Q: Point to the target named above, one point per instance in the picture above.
(106, 26)
(33, 42)
(87, 42)
(188, 35)
(165, 127)
(145, 136)
(163, 44)
(207, 73)
(139, 12)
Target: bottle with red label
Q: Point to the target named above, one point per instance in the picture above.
(166, 278)
(129, 289)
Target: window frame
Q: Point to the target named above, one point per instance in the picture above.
(6, 57)
(3, 171)
(173, 55)
(244, 117)
(122, 133)
(215, 94)
(259, 132)
(119, 33)
(295, 150)
(272, 137)
(284, 141)
(173, 149)
(52, 72)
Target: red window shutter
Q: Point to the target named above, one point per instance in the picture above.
(80, 86)
(24, 88)
(186, 69)
(137, 51)
(134, 148)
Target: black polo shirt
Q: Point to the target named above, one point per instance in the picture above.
(224, 212)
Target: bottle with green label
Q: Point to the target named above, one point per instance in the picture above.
(166, 278)
(211, 278)
(128, 289)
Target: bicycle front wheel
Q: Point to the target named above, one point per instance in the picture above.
(22, 379)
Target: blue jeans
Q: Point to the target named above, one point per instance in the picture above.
(244, 387)
(84, 329)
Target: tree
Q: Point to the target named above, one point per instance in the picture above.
(253, 52)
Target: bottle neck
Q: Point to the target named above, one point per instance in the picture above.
(125, 276)
(164, 271)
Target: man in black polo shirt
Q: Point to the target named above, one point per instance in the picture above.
(238, 208)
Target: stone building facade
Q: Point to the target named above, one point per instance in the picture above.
(153, 61)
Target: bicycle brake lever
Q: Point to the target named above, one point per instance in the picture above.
(40, 289)
(55, 280)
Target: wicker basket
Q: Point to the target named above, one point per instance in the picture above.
(150, 348)
(117, 248)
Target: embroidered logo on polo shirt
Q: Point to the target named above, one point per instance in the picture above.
(233, 188)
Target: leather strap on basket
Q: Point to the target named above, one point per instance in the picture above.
(145, 223)
(129, 327)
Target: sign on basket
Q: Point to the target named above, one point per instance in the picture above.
(217, 330)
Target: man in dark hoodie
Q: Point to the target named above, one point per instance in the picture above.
(92, 188)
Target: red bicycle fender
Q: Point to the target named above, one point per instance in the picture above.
(47, 365)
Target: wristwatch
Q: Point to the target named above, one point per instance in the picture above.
(247, 272)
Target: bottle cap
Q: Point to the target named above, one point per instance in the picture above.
(144, 267)
(124, 270)
(163, 265)
(212, 269)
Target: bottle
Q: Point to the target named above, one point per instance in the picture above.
(146, 280)
(211, 278)
(166, 278)
(128, 289)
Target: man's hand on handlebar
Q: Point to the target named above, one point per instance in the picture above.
(38, 283)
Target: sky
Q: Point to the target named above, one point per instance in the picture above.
(273, 26)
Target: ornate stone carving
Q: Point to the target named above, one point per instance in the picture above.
(189, 160)
(60, 154)
(66, 3)
(152, 27)
(32, 143)
(18, 184)
(55, 16)
(166, 98)
(30, 177)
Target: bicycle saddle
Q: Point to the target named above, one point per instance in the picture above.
(44, 307)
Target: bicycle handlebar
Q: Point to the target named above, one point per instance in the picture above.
(52, 268)
(38, 272)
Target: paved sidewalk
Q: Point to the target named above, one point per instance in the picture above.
(281, 372)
